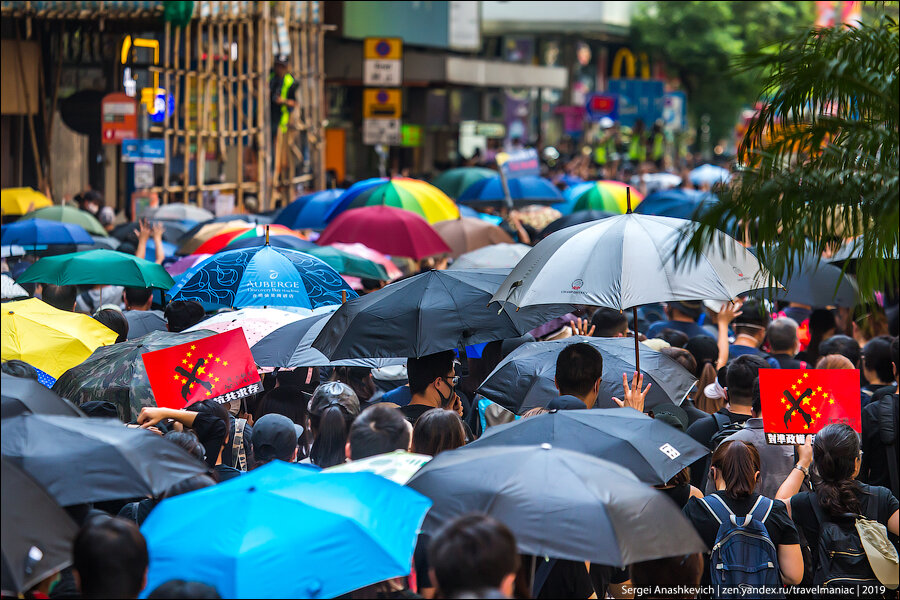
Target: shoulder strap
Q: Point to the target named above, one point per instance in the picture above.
(88, 300)
(721, 421)
(762, 509)
(717, 507)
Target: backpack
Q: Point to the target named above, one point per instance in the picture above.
(839, 557)
(724, 429)
(743, 555)
(887, 433)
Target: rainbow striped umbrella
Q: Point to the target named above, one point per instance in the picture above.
(606, 195)
(413, 195)
(220, 241)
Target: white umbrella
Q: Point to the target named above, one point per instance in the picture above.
(7, 251)
(9, 289)
(178, 211)
(709, 174)
(256, 323)
(496, 256)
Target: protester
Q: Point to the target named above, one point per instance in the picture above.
(822, 326)
(750, 324)
(681, 316)
(115, 320)
(379, 429)
(609, 322)
(59, 296)
(432, 384)
(706, 354)
(360, 379)
(663, 575)
(579, 372)
(844, 345)
(438, 430)
(332, 409)
(834, 361)
(95, 297)
(110, 559)
(275, 438)
(784, 343)
(876, 367)
(181, 314)
(141, 319)
(290, 401)
(208, 420)
(879, 435)
(687, 360)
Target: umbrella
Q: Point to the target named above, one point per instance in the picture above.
(109, 243)
(23, 395)
(309, 211)
(222, 240)
(254, 219)
(654, 451)
(498, 256)
(262, 276)
(679, 203)
(455, 181)
(174, 231)
(466, 234)
(68, 214)
(7, 251)
(576, 218)
(570, 180)
(195, 237)
(178, 211)
(37, 534)
(364, 251)
(558, 503)
(93, 460)
(523, 190)
(93, 267)
(347, 263)
(709, 175)
(297, 534)
(185, 263)
(10, 289)
(413, 195)
(525, 378)
(428, 313)
(256, 323)
(32, 232)
(20, 201)
(116, 373)
(292, 242)
(815, 283)
(386, 229)
(50, 339)
(609, 196)
(398, 466)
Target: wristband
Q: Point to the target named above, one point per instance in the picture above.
(802, 469)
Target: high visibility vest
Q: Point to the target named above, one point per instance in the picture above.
(659, 146)
(637, 152)
(286, 84)
(604, 151)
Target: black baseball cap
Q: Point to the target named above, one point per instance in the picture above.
(275, 437)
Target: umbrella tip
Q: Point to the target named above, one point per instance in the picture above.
(628, 199)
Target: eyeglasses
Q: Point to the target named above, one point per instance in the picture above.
(452, 381)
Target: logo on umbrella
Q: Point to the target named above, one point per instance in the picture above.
(739, 272)
(576, 285)
(273, 274)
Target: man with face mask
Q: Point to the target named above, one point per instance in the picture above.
(432, 384)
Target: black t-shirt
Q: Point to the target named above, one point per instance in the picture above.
(786, 361)
(779, 525)
(567, 578)
(874, 469)
(211, 432)
(413, 411)
(703, 431)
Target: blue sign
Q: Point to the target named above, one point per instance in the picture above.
(638, 99)
(602, 105)
(151, 151)
(520, 163)
(163, 105)
(675, 110)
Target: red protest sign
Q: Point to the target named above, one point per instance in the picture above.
(219, 367)
(796, 402)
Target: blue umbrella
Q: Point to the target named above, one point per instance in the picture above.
(679, 203)
(570, 180)
(309, 211)
(261, 276)
(278, 241)
(341, 204)
(709, 175)
(523, 190)
(33, 232)
(298, 534)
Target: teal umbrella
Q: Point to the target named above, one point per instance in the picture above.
(98, 267)
(346, 263)
(455, 181)
(68, 214)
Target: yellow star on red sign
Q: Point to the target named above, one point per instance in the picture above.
(209, 355)
(193, 347)
(225, 363)
(831, 401)
(806, 375)
(188, 354)
(176, 377)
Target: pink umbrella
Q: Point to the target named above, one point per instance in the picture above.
(387, 229)
(257, 323)
(364, 251)
(183, 264)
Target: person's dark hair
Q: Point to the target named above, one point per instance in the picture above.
(59, 296)
(753, 318)
(668, 573)
(192, 483)
(181, 314)
(782, 334)
(437, 430)
(682, 357)
(578, 367)
(821, 322)
(742, 372)
(137, 296)
(675, 338)
(705, 351)
(359, 378)
(837, 344)
(217, 410)
(19, 368)
(756, 406)
(895, 352)
(114, 320)
(835, 450)
(738, 463)
(188, 442)
(291, 402)
(178, 589)
(111, 558)
(424, 370)
(378, 429)
(609, 322)
(304, 378)
(473, 551)
(330, 429)
(876, 356)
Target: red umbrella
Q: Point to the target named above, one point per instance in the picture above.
(393, 231)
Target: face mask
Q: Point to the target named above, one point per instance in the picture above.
(448, 401)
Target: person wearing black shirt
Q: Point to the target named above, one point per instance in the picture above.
(879, 435)
(432, 384)
(784, 343)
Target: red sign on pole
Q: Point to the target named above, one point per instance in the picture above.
(118, 118)
(797, 402)
(219, 367)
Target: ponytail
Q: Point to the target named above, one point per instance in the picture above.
(738, 462)
(331, 429)
(834, 453)
(707, 376)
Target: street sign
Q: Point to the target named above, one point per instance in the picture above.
(149, 151)
(638, 99)
(490, 130)
(383, 62)
(675, 110)
(520, 163)
(381, 103)
(381, 131)
(378, 48)
(118, 118)
(143, 175)
(601, 105)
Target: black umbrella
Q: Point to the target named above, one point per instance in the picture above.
(651, 449)
(36, 534)
(817, 285)
(558, 503)
(428, 313)
(576, 218)
(94, 460)
(23, 395)
(174, 230)
(525, 378)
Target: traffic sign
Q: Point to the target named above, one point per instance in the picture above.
(638, 99)
(118, 118)
(379, 48)
(380, 103)
(149, 151)
(601, 105)
(383, 64)
(381, 131)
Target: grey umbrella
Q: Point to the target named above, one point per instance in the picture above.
(22, 395)
(558, 503)
(525, 379)
(93, 460)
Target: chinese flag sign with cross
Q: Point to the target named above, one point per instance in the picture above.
(219, 367)
(796, 402)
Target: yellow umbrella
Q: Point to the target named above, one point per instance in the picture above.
(19, 201)
(50, 339)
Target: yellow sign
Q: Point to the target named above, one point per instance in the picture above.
(624, 55)
(383, 48)
(381, 103)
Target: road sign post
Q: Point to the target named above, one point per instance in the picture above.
(383, 102)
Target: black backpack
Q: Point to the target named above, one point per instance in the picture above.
(838, 556)
(724, 429)
(887, 433)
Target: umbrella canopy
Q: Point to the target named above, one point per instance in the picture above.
(262, 276)
(525, 378)
(20, 201)
(184, 263)
(498, 256)
(607, 195)
(31, 520)
(413, 195)
(178, 211)
(709, 175)
(522, 190)
(68, 214)
(389, 230)
(41, 231)
(576, 218)
(98, 267)
(174, 230)
(815, 283)
(10, 289)
(680, 203)
(93, 460)
(364, 251)
(558, 503)
(222, 240)
(309, 211)
(654, 451)
(466, 234)
(256, 323)
(428, 313)
(195, 236)
(22, 395)
(116, 373)
(347, 263)
(50, 339)
(301, 534)
(398, 466)
(455, 181)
